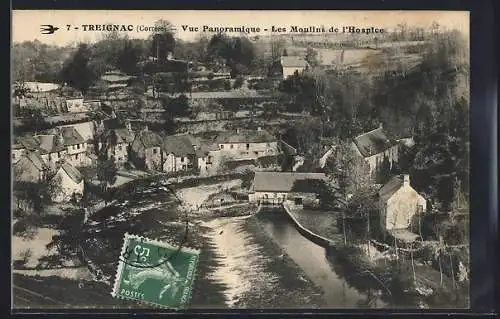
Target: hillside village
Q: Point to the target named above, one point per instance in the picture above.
(356, 133)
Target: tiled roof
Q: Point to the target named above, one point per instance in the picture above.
(180, 145)
(373, 142)
(71, 136)
(72, 172)
(244, 136)
(392, 186)
(281, 181)
(293, 61)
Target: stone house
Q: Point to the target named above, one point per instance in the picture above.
(278, 187)
(30, 168)
(146, 150)
(52, 149)
(246, 144)
(66, 184)
(374, 146)
(76, 146)
(398, 204)
(120, 150)
(178, 153)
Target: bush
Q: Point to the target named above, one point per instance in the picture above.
(24, 228)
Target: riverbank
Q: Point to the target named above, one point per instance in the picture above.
(413, 283)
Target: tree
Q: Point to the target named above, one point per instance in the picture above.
(76, 71)
(128, 58)
(349, 169)
(163, 41)
(312, 57)
(178, 106)
(384, 171)
(106, 171)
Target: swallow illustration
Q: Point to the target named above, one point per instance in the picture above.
(48, 29)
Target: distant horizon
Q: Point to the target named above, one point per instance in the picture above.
(30, 21)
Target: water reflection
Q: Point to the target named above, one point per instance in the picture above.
(320, 267)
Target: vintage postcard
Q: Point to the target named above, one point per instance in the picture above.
(240, 159)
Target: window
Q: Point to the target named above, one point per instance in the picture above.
(182, 159)
(13, 156)
(119, 147)
(78, 146)
(222, 146)
(231, 145)
(59, 154)
(256, 153)
(154, 150)
(248, 146)
(120, 159)
(76, 156)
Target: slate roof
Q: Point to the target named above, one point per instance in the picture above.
(281, 181)
(244, 136)
(293, 61)
(180, 145)
(29, 142)
(35, 159)
(149, 139)
(373, 142)
(392, 186)
(72, 172)
(71, 136)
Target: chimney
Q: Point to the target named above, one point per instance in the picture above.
(406, 180)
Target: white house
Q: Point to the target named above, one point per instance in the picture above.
(398, 204)
(374, 146)
(66, 184)
(76, 147)
(292, 64)
(278, 187)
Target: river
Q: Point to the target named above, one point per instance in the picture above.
(318, 264)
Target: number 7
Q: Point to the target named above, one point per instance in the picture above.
(68, 26)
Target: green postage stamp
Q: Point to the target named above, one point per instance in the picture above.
(155, 272)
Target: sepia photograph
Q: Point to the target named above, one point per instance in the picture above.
(240, 159)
